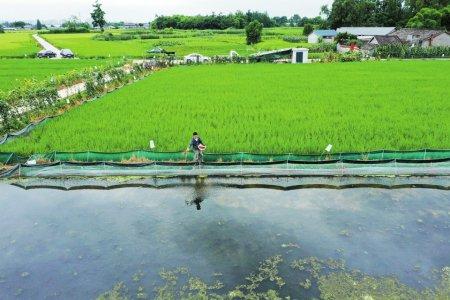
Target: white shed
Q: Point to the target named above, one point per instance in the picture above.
(326, 36)
(196, 58)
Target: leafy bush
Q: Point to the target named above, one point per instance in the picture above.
(66, 30)
(111, 37)
(322, 47)
(342, 57)
(295, 39)
(404, 51)
(308, 29)
(345, 38)
(168, 44)
(253, 32)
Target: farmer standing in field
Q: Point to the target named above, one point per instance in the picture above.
(197, 146)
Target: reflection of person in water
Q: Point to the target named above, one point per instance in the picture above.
(199, 193)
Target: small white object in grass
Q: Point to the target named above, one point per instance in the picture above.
(31, 162)
(152, 144)
(328, 148)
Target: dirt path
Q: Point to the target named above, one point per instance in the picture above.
(47, 46)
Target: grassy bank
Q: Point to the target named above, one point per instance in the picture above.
(13, 71)
(264, 109)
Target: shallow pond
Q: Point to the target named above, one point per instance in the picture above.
(80, 244)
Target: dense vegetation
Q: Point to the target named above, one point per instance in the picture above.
(14, 71)
(263, 108)
(381, 12)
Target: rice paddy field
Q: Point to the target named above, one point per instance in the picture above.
(183, 42)
(13, 71)
(17, 44)
(263, 108)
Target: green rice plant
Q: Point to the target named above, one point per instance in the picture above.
(263, 108)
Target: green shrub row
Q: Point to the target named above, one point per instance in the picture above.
(65, 30)
(404, 51)
(342, 57)
(124, 36)
(322, 47)
(295, 39)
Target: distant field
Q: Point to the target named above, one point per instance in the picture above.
(15, 44)
(264, 108)
(12, 71)
(183, 42)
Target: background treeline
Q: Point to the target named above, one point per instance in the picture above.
(399, 13)
(237, 20)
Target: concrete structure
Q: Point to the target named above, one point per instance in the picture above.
(288, 55)
(366, 33)
(423, 37)
(326, 36)
(300, 55)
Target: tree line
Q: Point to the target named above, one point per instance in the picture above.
(397, 13)
(238, 20)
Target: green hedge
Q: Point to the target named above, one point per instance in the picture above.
(405, 51)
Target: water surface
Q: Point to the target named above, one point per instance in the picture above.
(79, 244)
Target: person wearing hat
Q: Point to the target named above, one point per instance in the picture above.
(197, 146)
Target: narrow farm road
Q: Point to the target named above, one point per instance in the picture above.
(47, 46)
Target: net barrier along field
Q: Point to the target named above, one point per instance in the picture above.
(143, 156)
(333, 168)
(146, 163)
(203, 183)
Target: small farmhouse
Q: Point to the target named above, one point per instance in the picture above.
(326, 36)
(423, 37)
(366, 33)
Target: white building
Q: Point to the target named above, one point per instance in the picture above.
(366, 33)
(326, 36)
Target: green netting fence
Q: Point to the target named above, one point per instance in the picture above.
(142, 156)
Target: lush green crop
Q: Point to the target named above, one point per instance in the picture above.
(264, 108)
(183, 42)
(17, 44)
(12, 71)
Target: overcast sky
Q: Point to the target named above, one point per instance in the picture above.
(145, 10)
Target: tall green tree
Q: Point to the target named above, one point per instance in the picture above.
(98, 16)
(254, 32)
(308, 29)
(38, 25)
(414, 6)
(426, 18)
(445, 21)
(1, 29)
(390, 13)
